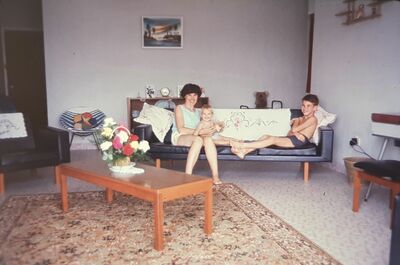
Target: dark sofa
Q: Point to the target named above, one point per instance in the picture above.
(310, 153)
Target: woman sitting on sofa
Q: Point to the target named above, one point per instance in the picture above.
(187, 117)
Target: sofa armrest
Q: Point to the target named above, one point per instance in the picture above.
(50, 138)
(144, 131)
(325, 145)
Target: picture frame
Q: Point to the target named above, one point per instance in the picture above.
(162, 32)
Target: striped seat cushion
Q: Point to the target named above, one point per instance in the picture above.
(82, 120)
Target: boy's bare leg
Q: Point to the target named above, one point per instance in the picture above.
(241, 149)
(268, 141)
(241, 152)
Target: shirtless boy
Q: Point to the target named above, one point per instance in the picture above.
(207, 121)
(300, 134)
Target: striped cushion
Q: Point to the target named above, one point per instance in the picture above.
(82, 120)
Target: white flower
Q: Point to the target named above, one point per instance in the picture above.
(109, 122)
(104, 146)
(123, 136)
(107, 132)
(144, 146)
(134, 145)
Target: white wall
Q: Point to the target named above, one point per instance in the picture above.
(356, 73)
(231, 47)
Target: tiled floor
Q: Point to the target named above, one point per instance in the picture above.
(319, 209)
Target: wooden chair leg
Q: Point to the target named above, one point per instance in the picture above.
(158, 163)
(56, 176)
(306, 171)
(356, 191)
(392, 198)
(1, 182)
(395, 189)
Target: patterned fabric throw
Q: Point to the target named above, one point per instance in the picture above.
(12, 125)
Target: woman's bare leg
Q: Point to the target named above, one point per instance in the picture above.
(211, 154)
(195, 143)
(222, 140)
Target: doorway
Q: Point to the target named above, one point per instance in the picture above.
(310, 50)
(25, 73)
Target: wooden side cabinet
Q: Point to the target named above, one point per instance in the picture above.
(135, 105)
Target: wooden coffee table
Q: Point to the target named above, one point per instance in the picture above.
(156, 185)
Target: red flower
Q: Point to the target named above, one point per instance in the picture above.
(133, 137)
(127, 150)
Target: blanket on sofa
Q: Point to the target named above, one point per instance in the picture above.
(244, 124)
(250, 124)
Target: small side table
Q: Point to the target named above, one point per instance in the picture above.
(386, 125)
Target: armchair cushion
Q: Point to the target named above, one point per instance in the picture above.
(384, 168)
(324, 119)
(32, 158)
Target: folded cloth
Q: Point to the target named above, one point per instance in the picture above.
(12, 125)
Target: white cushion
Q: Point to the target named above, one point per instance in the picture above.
(160, 119)
(12, 125)
(324, 118)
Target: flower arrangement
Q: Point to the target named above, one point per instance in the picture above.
(119, 146)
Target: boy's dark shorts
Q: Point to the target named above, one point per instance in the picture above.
(296, 142)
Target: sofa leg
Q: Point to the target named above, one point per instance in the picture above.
(1, 182)
(158, 163)
(306, 169)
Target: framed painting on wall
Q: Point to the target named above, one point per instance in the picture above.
(162, 32)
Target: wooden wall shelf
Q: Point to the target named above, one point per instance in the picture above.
(358, 12)
(356, 20)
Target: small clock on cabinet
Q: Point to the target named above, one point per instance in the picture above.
(165, 91)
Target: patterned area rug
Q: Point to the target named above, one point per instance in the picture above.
(34, 230)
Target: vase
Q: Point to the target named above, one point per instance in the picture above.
(123, 167)
(121, 162)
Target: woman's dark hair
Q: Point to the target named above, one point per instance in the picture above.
(190, 88)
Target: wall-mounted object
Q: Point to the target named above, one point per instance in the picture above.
(357, 12)
(162, 32)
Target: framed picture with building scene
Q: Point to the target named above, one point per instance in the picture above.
(162, 32)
